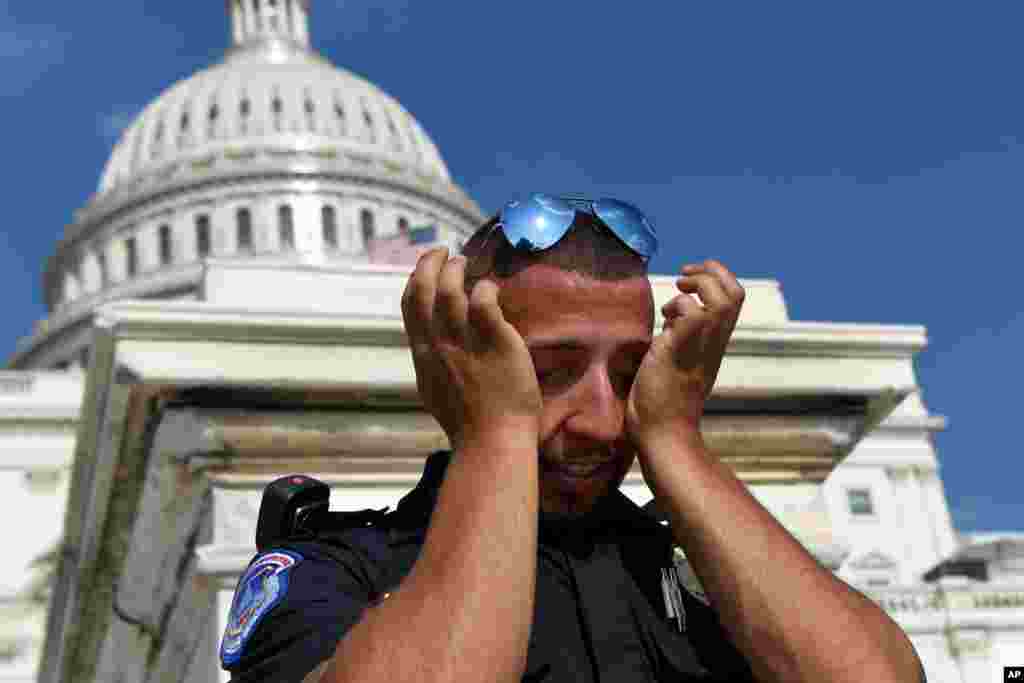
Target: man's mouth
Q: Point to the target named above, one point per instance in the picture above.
(578, 470)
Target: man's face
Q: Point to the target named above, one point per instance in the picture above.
(587, 339)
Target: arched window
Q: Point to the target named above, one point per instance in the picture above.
(396, 139)
(366, 223)
(310, 109)
(289, 17)
(214, 114)
(277, 105)
(166, 247)
(286, 225)
(368, 120)
(330, 226)
(203, 235)
(244, 109)
(131, 257)
(403, 225)
(339, 113)
(101, 260)
(244, 219)
(273, 16)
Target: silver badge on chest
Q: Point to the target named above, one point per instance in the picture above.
(672, 591)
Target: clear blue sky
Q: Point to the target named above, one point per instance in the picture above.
(869, 155)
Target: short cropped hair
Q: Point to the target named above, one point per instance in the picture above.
(588, 248)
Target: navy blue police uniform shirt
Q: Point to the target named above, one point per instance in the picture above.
(601, 613)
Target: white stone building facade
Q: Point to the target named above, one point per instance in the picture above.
(238, 212)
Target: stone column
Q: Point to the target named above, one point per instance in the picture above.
(237, 21)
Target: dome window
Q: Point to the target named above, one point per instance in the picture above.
(366, 223)
(183, 135)
(310, 113)
(101, 261)
(203, 235)
(158, 140)
(339, 114)
(272, 20)
(166, 246)
(368, 120)
(214, 114)
(278, 107)
(244, 219)
(244, 109)
(131, 254)
(328, 218)
(395, 137)
(286, 225)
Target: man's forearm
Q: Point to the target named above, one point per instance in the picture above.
(791, 617)
(464, 611)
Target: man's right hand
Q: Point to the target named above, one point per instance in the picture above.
(474, 372)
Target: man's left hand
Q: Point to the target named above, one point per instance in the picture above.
(679, 370)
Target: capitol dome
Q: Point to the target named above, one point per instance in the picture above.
(269, 90)
(272, 156)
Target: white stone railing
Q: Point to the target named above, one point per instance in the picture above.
(927, 599)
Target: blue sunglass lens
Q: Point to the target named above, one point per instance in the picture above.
(630, 224)
(537, 222)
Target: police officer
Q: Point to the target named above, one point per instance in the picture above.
(516, 557)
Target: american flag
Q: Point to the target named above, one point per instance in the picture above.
(403, 249)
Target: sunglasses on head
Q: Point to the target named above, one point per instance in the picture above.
(539, 221)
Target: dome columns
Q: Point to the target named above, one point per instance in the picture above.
(254, 21)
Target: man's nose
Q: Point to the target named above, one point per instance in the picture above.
(601, 411)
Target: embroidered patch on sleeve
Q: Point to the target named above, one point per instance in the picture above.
(262, 587)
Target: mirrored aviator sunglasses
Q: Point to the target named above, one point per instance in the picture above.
(541, 220)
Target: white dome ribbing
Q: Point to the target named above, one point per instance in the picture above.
(271, 91)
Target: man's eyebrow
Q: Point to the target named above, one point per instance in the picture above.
(573, 344)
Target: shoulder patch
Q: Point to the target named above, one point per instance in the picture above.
(262, 586)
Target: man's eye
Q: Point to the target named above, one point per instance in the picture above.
(553, 375)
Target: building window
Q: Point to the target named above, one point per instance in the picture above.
(366, 223)
(310, 112)
(860, 502)
(244, 219)
(203, 235)
(131, 257)
(166, 248)
(277, 105)
(101, 260)
(403, 225)
(244, 109)
(339, 113)
(286, 225)
(214, 114)
(330, 225)
(368, 120)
